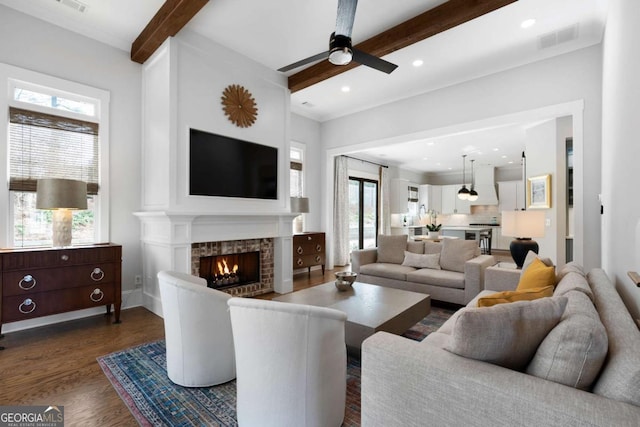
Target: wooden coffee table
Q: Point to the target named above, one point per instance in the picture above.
(369, 308)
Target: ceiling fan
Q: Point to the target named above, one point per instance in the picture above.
(341, 52)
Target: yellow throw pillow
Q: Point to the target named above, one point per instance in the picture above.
(513, 296)
(537, 275)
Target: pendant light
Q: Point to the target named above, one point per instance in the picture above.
(463, 193)
(473, 194)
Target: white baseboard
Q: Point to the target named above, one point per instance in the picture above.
(130, 299)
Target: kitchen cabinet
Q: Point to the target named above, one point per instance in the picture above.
(451, 204)
(511, 195)
(399, 197)
(431, 197)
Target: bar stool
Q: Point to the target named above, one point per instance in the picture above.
(485, 242)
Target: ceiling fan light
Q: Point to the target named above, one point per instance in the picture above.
(340, 56)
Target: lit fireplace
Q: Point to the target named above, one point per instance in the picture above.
(230, 270)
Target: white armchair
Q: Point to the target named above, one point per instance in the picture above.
(197, 330)
(291, 362)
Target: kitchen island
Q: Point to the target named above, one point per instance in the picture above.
(479, 233)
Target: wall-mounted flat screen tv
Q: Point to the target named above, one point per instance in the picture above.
(229, 167)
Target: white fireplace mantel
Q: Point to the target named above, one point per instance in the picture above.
(167, 237)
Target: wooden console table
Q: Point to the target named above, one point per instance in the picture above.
(44, 281)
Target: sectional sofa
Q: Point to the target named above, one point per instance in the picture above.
(583, 371)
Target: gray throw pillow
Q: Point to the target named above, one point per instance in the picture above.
(421, 261)
(456, 252)
(505, 334)
(574, 351)
(391, 248)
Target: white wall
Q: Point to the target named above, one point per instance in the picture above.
(566, 79)
(621, 148)
(32, 44)
(187, 77)
(307, 132)
(540, 149)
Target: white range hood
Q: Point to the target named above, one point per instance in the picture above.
(485, 186)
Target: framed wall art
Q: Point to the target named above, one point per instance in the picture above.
(539, 192)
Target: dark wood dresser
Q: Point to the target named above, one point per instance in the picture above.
(44, 281)
(309, 250)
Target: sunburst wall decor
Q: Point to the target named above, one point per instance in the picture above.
(239, 106)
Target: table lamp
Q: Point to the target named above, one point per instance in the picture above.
(299, 205)
(61, 196)
(523, 225)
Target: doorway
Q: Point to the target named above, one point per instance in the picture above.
(363, 213)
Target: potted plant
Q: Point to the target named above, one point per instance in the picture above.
(433, 228)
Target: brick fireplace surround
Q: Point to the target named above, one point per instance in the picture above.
(264, 246)
(169, 241)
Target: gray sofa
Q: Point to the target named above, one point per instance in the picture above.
(454, 269)
(585, 372)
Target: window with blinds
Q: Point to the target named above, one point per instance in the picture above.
(49, 146)
(296, 182)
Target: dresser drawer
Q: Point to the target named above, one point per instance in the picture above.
(308, 260)
(60, 258)
(47, 279)
(21, 307)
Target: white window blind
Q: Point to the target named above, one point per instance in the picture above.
(48, 146)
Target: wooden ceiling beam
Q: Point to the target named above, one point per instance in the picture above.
(434, 21)
(168, 20)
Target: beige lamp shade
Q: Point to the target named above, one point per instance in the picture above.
(523, 224)
(56, 193)
(300, 204)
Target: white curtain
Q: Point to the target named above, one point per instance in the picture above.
(384, 211)
(341, 211)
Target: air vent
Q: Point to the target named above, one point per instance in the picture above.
(308, 104)
(73, 4)
(555, 38)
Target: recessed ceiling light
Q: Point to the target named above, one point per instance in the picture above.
(417, 63)
(425, 158)
(430, 143)
(450, 169)
(504, 157)
(496, 149)
(510, 162)
(528, 23)
(345, 89)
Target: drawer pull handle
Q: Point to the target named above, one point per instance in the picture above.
(27, 279)
(318, 258)
(97, 274)
(309, 238)
(65, 257)
(96, 295)
(318, 248)
(300, 262)
(299, 250)
(26, 303)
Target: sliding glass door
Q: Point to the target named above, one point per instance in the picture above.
(363, 213)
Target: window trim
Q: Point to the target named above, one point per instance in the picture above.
(10, 76)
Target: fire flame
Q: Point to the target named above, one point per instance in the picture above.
(223, 267)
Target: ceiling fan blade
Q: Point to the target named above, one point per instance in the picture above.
(346, 16)
(314, 58)
(373, 61)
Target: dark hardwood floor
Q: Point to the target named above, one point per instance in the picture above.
(56, 364)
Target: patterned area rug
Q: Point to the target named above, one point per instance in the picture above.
(139, 376)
